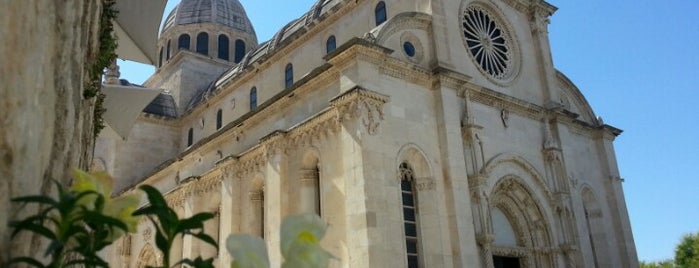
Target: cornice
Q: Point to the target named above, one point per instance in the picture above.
(406, 71)
(357, 49)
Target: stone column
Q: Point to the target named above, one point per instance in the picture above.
(539, 20)
(188, 244)
(461, 235)
(486, 243)
(229, 213)
(125, 253)
(275, 172)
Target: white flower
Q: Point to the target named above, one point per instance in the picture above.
(300, 242)
(247, 251)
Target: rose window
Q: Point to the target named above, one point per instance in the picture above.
(487, 43)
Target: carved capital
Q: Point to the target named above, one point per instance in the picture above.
(485, 240)
(540, 19)
(363, 105)
(275, 143)
(252, 162)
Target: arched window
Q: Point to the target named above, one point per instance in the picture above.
(203, 43)
(316, 187)
(160, 60)
(310, 200)
(167, 53)
(257, 207)
(183, 42)
(288, 76)
(330, 44)
(253, 98)
(167, 57)
(190, 137)
(257, 198)
(239, 50)
(410, 223)
(380, 13)
(223, 51)
(219, 119)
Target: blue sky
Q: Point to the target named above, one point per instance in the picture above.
(637, 64)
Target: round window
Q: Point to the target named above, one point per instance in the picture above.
(487, 42)
(409, 49)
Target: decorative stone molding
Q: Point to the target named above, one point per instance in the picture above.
(125, 249)
(275, 143)
(402, 22)
(359, 49)
(511, 252)
(406, 71)
(614, 178)
(309, 177)
(147, 234)
(496, 99)
(251, 162)
(443, 77)
(539, 16)
(361, 104)
(256, 195)
(317, 128)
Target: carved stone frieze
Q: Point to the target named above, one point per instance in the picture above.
(251, 162)
(363, 105)
(317, 128)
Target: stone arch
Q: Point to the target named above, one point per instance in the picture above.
(577, 101)
(527, 217)
(413, 155)
(594, 226)
(508, 163)
(401, 22)
(148, 257)
(98, 164)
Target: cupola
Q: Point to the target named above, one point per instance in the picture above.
(218, 29)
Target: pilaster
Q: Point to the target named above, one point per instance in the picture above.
(275, 172)
(458, 205)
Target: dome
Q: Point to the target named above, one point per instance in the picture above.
(224, 12)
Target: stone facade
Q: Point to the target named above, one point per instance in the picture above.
(441, 137)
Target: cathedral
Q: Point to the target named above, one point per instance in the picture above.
(424, 133)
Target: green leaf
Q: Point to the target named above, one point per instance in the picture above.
(154, 196)
(27, 260)
(149, 210)
(36, 199)
(195, 222)
(206, 238)
(198, 262)
(94, 217)
(32, 227)
(162, 242)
